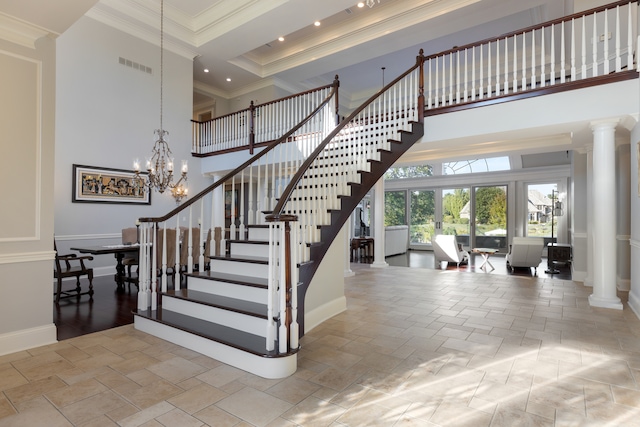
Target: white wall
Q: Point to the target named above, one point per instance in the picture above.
(634, 294)
(27, 112)
(106, 115)
(325, 296)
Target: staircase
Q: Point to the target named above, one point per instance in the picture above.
(245, 306)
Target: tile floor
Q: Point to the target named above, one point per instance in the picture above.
(416, 347)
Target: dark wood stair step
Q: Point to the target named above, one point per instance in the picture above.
(256, 282)
(228, 336)
(242, 258)
(225, 303)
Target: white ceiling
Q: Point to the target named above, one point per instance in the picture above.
(237, 39)
(230, 37)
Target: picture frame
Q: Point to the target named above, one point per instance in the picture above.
(227, 203)
(93, 184)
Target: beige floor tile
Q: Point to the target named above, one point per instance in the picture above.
(33, 389)
(314, 412)
(214, 416)
(451, 414)
(197, 398)
(180, 418)
(263, 409)
(78, 391)
(151, 394)
(92, 407)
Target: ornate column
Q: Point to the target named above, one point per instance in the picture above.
(378, 225)
(604, 216)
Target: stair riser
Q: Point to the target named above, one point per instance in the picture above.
(240, 268)
(225, 289)
(241, 249)
(266, 367)
(259, 234)
(241, 322)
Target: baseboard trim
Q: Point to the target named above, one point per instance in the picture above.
(27, 338)
(634, 304)
(324, 312)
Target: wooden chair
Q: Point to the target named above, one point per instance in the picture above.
(184, 250)
(171, 253)
(130, 237)
(72, 265)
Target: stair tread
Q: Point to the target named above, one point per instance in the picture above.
(242, 258)
(229, 336)
(226, 303)
(249, 242)
(260, 282)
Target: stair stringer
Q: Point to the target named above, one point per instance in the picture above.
(348, 203)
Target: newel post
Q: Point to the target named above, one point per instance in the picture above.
(336, 84)
(252, 135)
(420, 60)
(286, 291)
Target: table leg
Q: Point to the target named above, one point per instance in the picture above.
(485, 261)
(120, 273)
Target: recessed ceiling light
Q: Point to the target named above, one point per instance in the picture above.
(281, 39)
(228, 79)
(317, 23)
(360, 4)
(206, 70)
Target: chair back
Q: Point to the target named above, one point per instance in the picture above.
(525, 251)
(445, 248)
(195, 246)
(130, 235)
(171, 247)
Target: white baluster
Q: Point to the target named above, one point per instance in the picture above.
(524, 61)
(232, 227)
(466, 78)
(144, 275)
(243, 235)
(563, 59)
(573, 50)
(164, 258)
(450, 79)
(533, 59)
(489, 75)
(515, 63)
(473, 73)
(552, 70)
(294, 328)
(630, 42)
(497, 68)
(282, 293)
(429, 84)
(189, 242)
(457, 77)
(543, 76)
(605, 58)
(618, 42)
(271, 326)
(584, 48)
(481, 80)
(506, 66)
(594, 47)
(202, 237)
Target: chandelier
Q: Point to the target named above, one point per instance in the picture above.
(160, 165)
(369, 3)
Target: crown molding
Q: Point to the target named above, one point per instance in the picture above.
(150, 36)
(336, 39)
(21, 32)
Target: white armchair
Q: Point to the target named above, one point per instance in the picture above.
(525, 252)
(446, 248)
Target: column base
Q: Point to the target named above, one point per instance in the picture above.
(613, 303)
(378, 264)
(349, 273)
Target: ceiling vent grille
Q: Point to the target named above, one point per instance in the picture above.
(132, 64)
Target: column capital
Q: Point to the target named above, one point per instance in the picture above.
(604, 124)
(586, 148)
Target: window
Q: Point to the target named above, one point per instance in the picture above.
(409, 172)
(491, 164)
(395, 208)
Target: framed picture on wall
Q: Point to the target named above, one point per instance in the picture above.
(93, 184)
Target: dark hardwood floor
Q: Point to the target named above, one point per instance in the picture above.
(109, 308)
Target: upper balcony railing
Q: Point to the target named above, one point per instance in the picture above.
(597, 43)
(257, 124)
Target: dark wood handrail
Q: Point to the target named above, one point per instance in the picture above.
(255, 107)
(270, 147)
(286, 194)
(533, 27)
